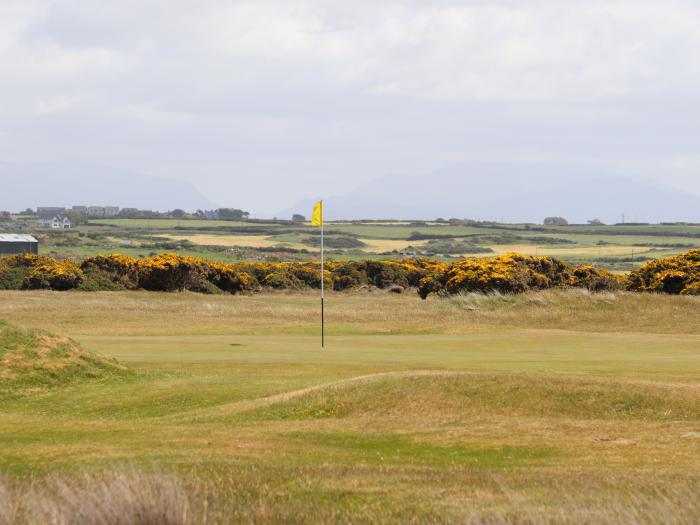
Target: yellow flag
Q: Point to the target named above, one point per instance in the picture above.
(317, 216)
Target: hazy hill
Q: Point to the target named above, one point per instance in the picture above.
(512, 193)
(31, 185)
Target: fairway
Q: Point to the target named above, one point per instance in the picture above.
(438, 410)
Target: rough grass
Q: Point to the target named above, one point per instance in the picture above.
(30, 359)
(362, 313)
(129, 496)
(118, 497)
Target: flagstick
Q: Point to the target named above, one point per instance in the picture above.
(322, 279)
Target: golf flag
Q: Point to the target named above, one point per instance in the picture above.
(317, 220)
(317, 215)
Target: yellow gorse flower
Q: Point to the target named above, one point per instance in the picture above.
(509, 273)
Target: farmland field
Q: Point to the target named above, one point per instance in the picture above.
(615, 247)
(556, 406)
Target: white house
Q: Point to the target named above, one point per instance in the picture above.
(55, 220)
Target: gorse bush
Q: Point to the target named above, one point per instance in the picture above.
(595, 279)
(673, 275)
(120, 269)
(53, 274)
(510, 273)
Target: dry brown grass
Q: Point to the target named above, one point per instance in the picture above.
(120, 497)
(148, 313)
(130, 497)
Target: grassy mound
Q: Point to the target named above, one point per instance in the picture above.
(30, 358)
(447, 395)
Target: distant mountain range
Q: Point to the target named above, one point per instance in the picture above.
(511, 193)
(30, 185)
(497, 191)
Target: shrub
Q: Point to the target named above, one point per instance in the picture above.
(97, 281)
(347, 275)
(12, 278)
(54, 275)
(383, 274)
(555, 221)
(511, 273)
(282, 280)
(226, 278)
(454, 247)
(692, 289)
(595, 279)
(120, 269)
(171, 272)
(672, 275)
(334, 242)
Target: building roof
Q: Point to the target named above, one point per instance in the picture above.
(16, 237)
(51, 216)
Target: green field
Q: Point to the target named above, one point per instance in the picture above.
(558, 406)
(614, 247)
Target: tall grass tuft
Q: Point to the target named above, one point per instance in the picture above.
(121, 497)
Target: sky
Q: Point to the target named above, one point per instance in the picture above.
(263, 103)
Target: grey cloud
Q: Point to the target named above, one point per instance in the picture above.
(244, 98)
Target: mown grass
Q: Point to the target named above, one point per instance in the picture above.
(558, 407)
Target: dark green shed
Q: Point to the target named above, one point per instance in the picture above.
(12, 243)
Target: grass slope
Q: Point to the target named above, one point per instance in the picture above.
(34, 359)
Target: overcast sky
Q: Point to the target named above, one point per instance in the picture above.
(262, 103)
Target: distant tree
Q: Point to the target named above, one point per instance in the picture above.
(298, 218)
(595, 222)
(555, 221)
(178, 213)
(76, 218)
(232, 214)
(28, 211)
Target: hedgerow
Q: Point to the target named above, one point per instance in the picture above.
(511, 273)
